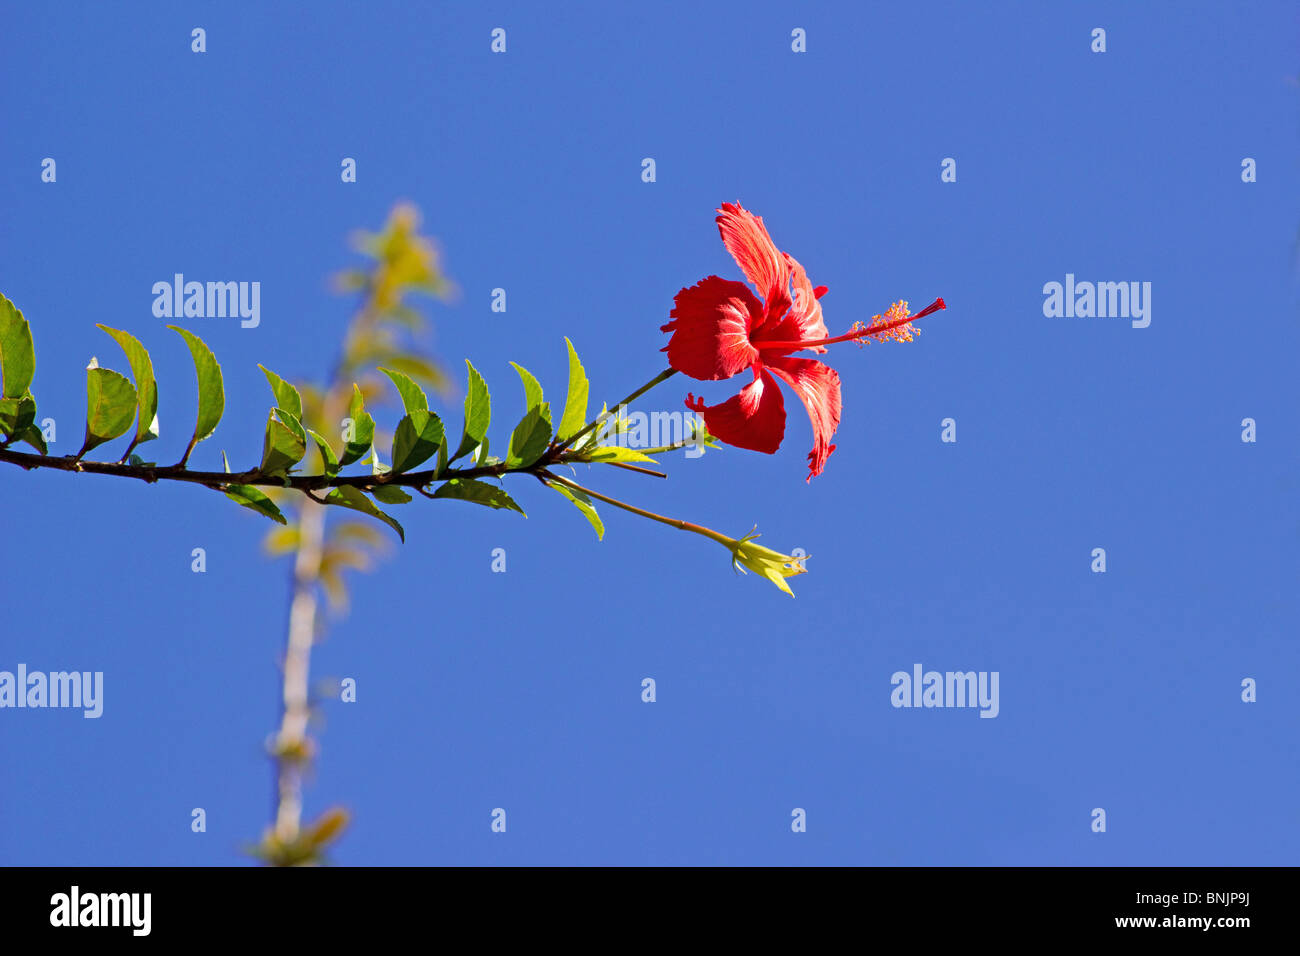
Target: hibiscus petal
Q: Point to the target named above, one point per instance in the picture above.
(754, 418)
(711, 323)
(818, 386)
(804, 320)
(747, 240)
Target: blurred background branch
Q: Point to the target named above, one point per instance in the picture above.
(385, 330)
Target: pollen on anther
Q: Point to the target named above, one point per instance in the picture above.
(901, 332)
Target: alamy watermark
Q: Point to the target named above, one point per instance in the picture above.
(82, 689)
(75, 908)
(658, 431)
(946, 689)
(208, 300)
(1102, 300)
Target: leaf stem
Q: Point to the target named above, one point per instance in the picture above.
(677, 523)
(637, 468)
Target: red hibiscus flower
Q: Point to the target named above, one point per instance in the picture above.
(720, 329)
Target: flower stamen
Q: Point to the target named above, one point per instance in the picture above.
(894, 324)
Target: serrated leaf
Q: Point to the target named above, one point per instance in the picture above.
(413, 397)
(250, 497)
(286, 396)
(390, 494)
(583, 503)
(32, 435)
(575, 406)
(350, 497)
(417, 438)
(284, 444)
(146, 388)
(110, 406)
(331, 463)
(16, 414)
(479, 492)
(532, 388)
(478, 413)
(530, 437)
(212, 393)
(616, 453)
(363, 430)
(17, 355)
(418, 367)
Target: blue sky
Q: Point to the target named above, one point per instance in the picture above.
(522, 690)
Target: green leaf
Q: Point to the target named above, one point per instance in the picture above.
(363, 430)
(326, 453)
(532, 387)
(413, 397)
(250, 497)
(286, 396)
(16, 414)
(146, 389)
(575, 406)
(17, 356)
(354, 498)
(417, 367)
(479, 492)
(110, 406)
(616, 453)
(482, 457)
(530, 437)
(32, 435)
(583, 503)
(440, 468)
(478, 413)
(285, 443)
(390, 494)
(418, 436)
(212, 394)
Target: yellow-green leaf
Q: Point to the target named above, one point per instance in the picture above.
(17, 356)
(354, 498)
(212, 393)
(286, 396)
(110, 406)
(284, 444)
(615, 453)
(328, 459)
(530, 437)
(413, 397)
(532, 388)
(478, 413)
(575, 406)
(418, 436)
(16, 414)
(252, 498)
(390, 494)
(479, 492)
(583, 503)
(146, 389)
(363, 430)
